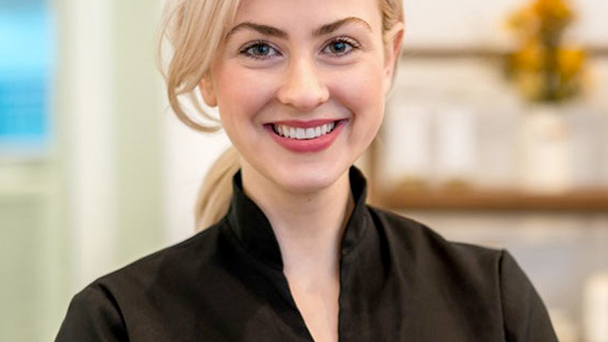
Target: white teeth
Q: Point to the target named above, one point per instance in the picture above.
(304, 133)
(323, 129)
(310, 133)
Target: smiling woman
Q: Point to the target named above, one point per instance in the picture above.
(297, 254)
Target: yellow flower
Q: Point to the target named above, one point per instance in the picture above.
(524, 22)
(530, 57)
(540, 66)
(555, 12)
(570, 62)
(531, 84)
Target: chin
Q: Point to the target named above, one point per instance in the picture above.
(309, 179)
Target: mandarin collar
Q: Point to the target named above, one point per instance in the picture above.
(253, 230)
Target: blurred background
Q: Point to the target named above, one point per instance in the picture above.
(495, 134)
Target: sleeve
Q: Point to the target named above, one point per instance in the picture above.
(525, 317)
(93, 316)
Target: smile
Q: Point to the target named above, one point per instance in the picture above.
(306, 136)
(300, 133)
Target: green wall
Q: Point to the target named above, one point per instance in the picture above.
(38, 239)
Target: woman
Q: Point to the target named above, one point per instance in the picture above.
(300, 86)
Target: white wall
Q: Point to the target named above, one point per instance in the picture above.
(477, 23)
(188, 156)
(86, 103)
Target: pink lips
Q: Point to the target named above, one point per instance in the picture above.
(306, 145)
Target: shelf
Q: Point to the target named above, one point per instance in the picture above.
(507, 200)
(477, 52)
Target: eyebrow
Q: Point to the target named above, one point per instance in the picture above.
(330, 28)
(321, 31)
(263, 29)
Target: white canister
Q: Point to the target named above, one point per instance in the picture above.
(546, 150)
(407, 148)
(595, 314)
(456, 145)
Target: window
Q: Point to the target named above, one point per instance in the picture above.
(26, 71)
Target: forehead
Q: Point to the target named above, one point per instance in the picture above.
(293, 14)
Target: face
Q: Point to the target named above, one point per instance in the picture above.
(300, 86)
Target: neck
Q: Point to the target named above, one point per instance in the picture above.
(308, 226)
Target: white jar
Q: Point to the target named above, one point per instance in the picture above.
(595, 314)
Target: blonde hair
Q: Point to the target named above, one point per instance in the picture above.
(195, 30)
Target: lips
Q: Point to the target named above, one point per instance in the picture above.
(305, 136)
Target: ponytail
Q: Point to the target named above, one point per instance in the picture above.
(216, 191)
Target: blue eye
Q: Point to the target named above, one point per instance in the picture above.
(340, 46)
(259, 50)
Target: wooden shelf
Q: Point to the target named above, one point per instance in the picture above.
(504, 200)
(480, 52)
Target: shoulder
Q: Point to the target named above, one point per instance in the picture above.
(417, 240)
(177, 262)
(489, 281)
(490, 278)
(424, 254)
(162, 272)
(166, 279)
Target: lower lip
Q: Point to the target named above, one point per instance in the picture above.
(308, 145)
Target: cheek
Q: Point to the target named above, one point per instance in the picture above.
(241, 93)
(361, 91)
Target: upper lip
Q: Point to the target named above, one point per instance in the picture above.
(304, 124)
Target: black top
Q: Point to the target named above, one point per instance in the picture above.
(399, 281)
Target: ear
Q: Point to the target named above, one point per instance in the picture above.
(394, 39)
(208, 91)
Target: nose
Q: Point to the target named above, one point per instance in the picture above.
(302, 87)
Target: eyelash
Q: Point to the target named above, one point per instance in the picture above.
(352, 46)
(246, 50)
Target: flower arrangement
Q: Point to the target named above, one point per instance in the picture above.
(543, 67)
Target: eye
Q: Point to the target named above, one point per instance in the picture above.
(340, 46)
(259, 50)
